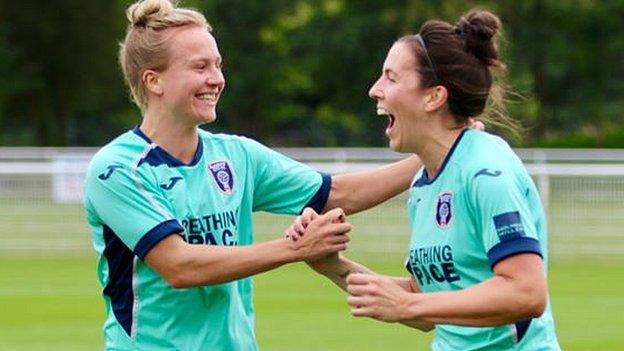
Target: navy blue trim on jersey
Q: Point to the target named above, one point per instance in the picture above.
(319, 200)
(512, 247)
(155, 235)
(119, 286)
(521, 328)
(424, 179)
(408, 266)
(158, 156)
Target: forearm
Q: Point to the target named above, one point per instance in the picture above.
(419, 324)
(338, 270)
(494, 302)
(197, 265)
(358, 191)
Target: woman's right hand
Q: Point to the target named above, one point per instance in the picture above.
(317, 236)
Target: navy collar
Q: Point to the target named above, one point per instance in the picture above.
(158, 155)
(424, 178)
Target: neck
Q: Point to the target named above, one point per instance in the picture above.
(172, 134)
(436, 145)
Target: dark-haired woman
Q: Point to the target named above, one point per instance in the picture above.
(477, 256)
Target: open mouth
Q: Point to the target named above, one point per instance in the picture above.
(210, 98)
(391, 119)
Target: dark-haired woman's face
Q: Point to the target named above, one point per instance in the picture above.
(399, 96)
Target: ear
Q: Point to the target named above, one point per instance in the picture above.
(436, 98)
(152, 82)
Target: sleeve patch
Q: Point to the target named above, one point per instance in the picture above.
(509, 226)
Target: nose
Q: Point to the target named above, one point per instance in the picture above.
(375, 92)
(216, 78)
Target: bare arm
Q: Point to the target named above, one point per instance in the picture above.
(517, 291)
(337, 268)
(358, 191)
(185, 265)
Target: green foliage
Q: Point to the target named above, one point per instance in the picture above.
(298, 71)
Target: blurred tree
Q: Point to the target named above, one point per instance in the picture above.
(298, 71)
(64, 54)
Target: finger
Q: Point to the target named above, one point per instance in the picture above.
(357, 290)
(476, 124)
(291, 234)
(359, 311)
(336, 215)
(299, 227)
(356, 301)
(358, 278)
(308, 215)
(338, 228)
(335, 248)
(339, 239)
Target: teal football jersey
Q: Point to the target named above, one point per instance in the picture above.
(136, 194)
(481, 208)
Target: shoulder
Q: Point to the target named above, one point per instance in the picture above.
(121, 153)
(488, 155)
(228, 140)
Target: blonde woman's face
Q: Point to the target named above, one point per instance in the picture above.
(193, 81)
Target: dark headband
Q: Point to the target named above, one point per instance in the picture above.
(429, 62)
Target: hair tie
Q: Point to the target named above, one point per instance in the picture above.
(420, 40)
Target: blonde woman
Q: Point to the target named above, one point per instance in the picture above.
(170, 206)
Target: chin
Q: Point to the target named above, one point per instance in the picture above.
(206, 118)
(393, 145)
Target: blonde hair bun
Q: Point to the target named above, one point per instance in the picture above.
(145, 13)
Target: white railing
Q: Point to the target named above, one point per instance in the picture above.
(583, 193)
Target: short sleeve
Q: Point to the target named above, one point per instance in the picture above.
(503, 216)
(283, 185)
(130, 205)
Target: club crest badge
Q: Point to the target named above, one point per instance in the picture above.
(444, 213)
(222, 174)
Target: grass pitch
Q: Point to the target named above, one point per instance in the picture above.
(50, 297)
(53, 303)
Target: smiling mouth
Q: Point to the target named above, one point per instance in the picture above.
(209, 97)
(391, 118)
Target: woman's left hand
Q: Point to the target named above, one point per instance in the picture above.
(378, 297)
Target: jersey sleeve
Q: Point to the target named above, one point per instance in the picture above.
(130, 205)
(503, 216)
(282, 185)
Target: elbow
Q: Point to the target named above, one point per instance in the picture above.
(533, 304)
(178, 280)
(536, 307)
(180, 276)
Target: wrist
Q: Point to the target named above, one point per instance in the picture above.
(327, 266)
(411, 303)
(288, 250)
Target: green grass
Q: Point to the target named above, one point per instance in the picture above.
(50, 298)
(51, 303)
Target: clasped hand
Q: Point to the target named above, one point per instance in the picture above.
(318, 236)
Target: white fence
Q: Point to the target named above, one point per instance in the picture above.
(583, 190)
